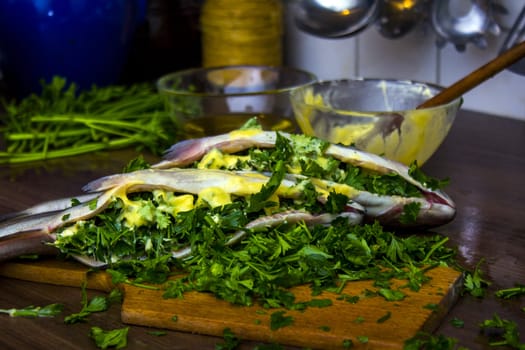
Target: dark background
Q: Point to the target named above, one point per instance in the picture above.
(169, 39)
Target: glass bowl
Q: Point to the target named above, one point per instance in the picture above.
(375, 115)
(210, 101)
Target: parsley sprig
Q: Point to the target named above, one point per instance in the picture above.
(50, 310)
(90, 306)
(502, 332)
(513, 292)
(475, 284)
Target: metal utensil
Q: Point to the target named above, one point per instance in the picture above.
(516, 35)
(334, 18)
(461, 27)
(399, 17)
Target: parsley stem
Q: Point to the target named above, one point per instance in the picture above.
(87, 120)
(434, 248)
(141, 285)
(511, 292)
(31, 136)
(6, 157)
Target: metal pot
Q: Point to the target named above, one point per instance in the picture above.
(334, 19)
(399, 17)
(461, 27)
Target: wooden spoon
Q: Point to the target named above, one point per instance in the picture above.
(478, 76)
(391, 122)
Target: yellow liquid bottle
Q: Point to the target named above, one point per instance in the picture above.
(237, 32)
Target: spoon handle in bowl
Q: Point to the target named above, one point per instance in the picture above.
(476, 77)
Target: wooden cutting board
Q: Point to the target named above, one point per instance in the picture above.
(325, 328)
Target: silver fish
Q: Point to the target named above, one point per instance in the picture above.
(186, 152)
(49, 206)
(436, 207)
(21, 233)
(388, 210)
(191, 181)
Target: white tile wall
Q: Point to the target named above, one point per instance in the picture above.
(414, 56)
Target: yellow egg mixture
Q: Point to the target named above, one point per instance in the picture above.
(421, 132)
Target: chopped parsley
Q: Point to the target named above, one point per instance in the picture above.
(262, 265)
(117, 338)
(502, 332)
(96, 304)
(458, 323)
(410, 213)
(432, 183)
(384, 318)
(348, 344)
(363, 339)
(513, 292)
(391, 295)
(231, 341)
(138, 235)
(278, 319)
(425, 340)
(474, 283)
(136, 164)
(320, 303)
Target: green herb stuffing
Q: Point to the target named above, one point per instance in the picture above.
(62, 121)
(305, 155)
(432, 183)
(263, 265)
(251, 123)
(410, 213)
(136, 164)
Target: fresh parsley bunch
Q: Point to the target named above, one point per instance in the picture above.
(62, 121)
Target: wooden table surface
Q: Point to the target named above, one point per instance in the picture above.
(484, 156)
